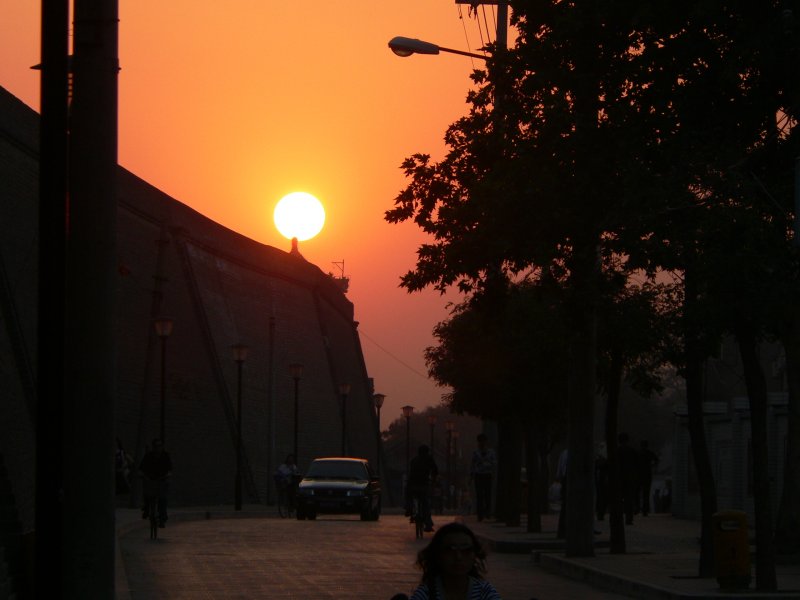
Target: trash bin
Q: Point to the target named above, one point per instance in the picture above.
(731, 549)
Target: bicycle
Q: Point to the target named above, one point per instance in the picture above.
(287, 492)
(417, 517)
(152, 489)
(152, 511)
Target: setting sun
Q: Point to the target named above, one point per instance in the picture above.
(299, 215)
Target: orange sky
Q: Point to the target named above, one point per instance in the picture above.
(229, 106)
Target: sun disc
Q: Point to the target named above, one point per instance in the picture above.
(299, 215)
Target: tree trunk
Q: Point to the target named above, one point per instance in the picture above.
(697, 434)
(534, 472)
(581, 400)
(513, 512)
(615, 519)
(787, 530)
(766, 578)
(509, 465)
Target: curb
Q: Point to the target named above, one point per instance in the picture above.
(609, 582)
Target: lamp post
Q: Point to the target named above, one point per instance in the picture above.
(378, 400)
(344, 389)
(239, 355)
(407, 412)
(449, 426)
(405, 46)
(296, 371)
(432, 423)
(163, 326)
(456, 435)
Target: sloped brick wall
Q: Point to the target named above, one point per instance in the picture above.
(220, 289)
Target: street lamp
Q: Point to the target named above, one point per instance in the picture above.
(344, 389)
(456, 435)
(407, 412)
(239, 355)
(432, 423)
(163, 326)
(378, 400)
(449, 426)
(404, 46)
(296, 371)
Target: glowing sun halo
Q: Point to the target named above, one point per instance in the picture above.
(299, 215)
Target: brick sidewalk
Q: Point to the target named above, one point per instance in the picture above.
(661, 561)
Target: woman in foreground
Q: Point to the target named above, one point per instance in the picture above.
(453, 564)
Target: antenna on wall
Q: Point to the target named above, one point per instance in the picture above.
(341, 280)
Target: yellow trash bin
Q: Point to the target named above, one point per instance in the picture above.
(731, 549)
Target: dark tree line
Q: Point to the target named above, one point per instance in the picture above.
(617, 142)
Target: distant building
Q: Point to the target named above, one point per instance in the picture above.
(727, 427)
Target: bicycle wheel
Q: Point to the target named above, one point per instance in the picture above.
(153, 510)
(283, 507)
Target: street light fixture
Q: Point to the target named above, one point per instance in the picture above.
(296, 371)
(239, 355)
(456, 435)
(378, 400)
(344, 389)
(405, 46)
(449, 427)
(163, 327)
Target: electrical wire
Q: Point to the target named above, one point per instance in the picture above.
(388, 353)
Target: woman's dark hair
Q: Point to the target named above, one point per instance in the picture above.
(428, 558)
(288, 456)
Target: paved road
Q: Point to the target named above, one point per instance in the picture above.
(332, 557)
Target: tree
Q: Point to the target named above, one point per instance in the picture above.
(502, 354)
(635, 324)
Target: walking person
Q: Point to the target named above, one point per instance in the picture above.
(156, 468)
(484, 462)
(561, 478)
(648, 460)
(628, 466)
(422, 473)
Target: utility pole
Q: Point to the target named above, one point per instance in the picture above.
(90, 385)
(502, 18)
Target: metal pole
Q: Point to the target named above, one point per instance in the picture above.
(296, 394)
(53, 126)
(378, 441)
(163, 409)
(90, 323)
(344, 423)
(502, 24)
(238, 490)
(270, 408)
(408, 444)
(449, 469)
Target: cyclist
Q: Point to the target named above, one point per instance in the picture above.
(155, 468)
(422, 472)
(286, 477)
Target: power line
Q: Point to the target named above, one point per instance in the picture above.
(405, 364)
